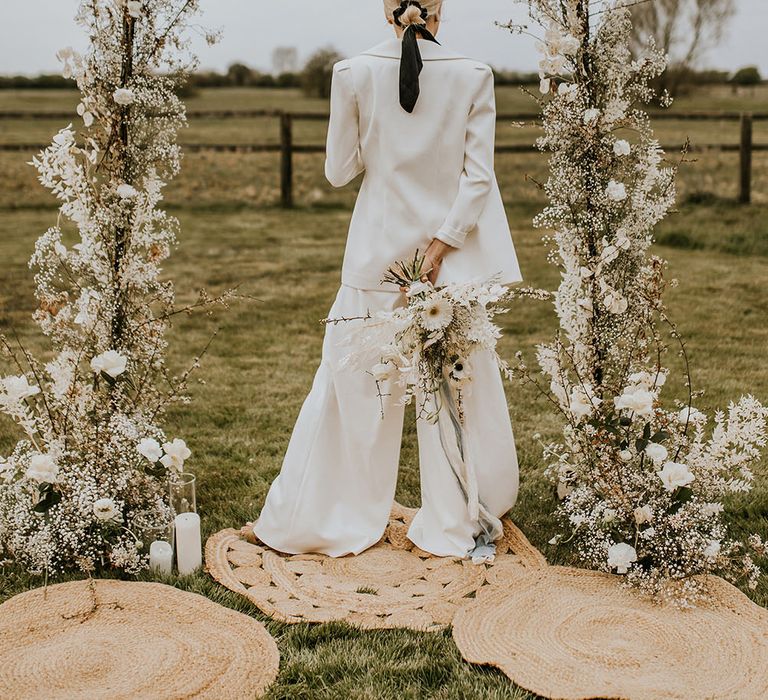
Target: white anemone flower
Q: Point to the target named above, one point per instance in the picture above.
(461, 371)
(436, 314)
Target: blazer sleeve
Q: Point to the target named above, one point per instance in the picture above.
(476, 179)
(343, 161)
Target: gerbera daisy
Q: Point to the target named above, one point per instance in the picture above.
(437, 314)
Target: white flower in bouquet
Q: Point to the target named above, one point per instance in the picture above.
(616, 191)
(419, 288)
(621, 556)
(569, 91)
(17, 389)
(43, 469)
(437, 313)
(657, 453)
(712, 550)
(621, 148)
(710, 509)
(609, 515)
(626, 455)
(150, 449)
(591, 115)
(106, 509)
(382, 371)
(111, 363)
(648, 533)
(461, 371)
(544, 85)
(636, 399)
(675, 475)
(126, 191)
(123, 96)
(176, 453)
(643, 514)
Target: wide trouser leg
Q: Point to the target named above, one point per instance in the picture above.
(335, 491)
(443, 525)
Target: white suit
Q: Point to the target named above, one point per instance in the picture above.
(428, 175)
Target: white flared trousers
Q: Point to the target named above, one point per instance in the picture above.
(335, 491)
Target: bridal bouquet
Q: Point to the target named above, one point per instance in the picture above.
(425, 347)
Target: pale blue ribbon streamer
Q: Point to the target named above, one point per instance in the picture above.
(455, 448)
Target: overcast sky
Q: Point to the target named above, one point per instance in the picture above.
(33, 30)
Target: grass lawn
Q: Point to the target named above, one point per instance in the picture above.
(260, 368)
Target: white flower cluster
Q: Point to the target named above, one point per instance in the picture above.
(642, 487)
(90, 459)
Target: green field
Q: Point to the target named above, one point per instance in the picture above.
(261, 366)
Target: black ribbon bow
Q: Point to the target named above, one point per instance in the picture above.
(410, 59)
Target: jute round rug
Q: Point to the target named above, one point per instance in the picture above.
(116, 639)
(572, 633)
(393, 584)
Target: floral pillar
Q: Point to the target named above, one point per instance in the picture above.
(641, 484)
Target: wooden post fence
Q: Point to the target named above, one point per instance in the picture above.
(745, 159)
(286, 160)
(287, 148)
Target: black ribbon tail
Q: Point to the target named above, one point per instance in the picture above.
(411, 65)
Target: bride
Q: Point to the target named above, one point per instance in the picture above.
(419, 121)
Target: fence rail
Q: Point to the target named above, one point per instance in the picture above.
(287, 148)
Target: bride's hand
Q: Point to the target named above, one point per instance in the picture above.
(433, 259)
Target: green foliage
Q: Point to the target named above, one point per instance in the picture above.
(316, 76)
(749, 75)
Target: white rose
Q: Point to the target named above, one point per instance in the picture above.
(381, 372)
(621, 148)
(609, 515)
(176, 453)
(674, 475)
(658, 453)
(569, 45)
(150, 449)
(643, 514)
(712, 549)
(635, 399)
(123, 96)
(616, 303)
(111, 363)
(17, 389)
(616, 191)
(105, 509)
(591, 115)
(43, 469)
(583, 402)
(134, 8)
(621, 556)
(126, 191)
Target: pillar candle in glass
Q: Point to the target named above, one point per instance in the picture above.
(154, 531)
(189, 549)
(182, 492)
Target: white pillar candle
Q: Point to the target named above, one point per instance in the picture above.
(161, 557)
(189, 550)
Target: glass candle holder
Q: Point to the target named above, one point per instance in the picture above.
(154, 533)
(182, 492)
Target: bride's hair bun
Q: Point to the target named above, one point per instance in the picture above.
(411, 15)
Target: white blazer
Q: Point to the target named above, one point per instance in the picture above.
(428, 174)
